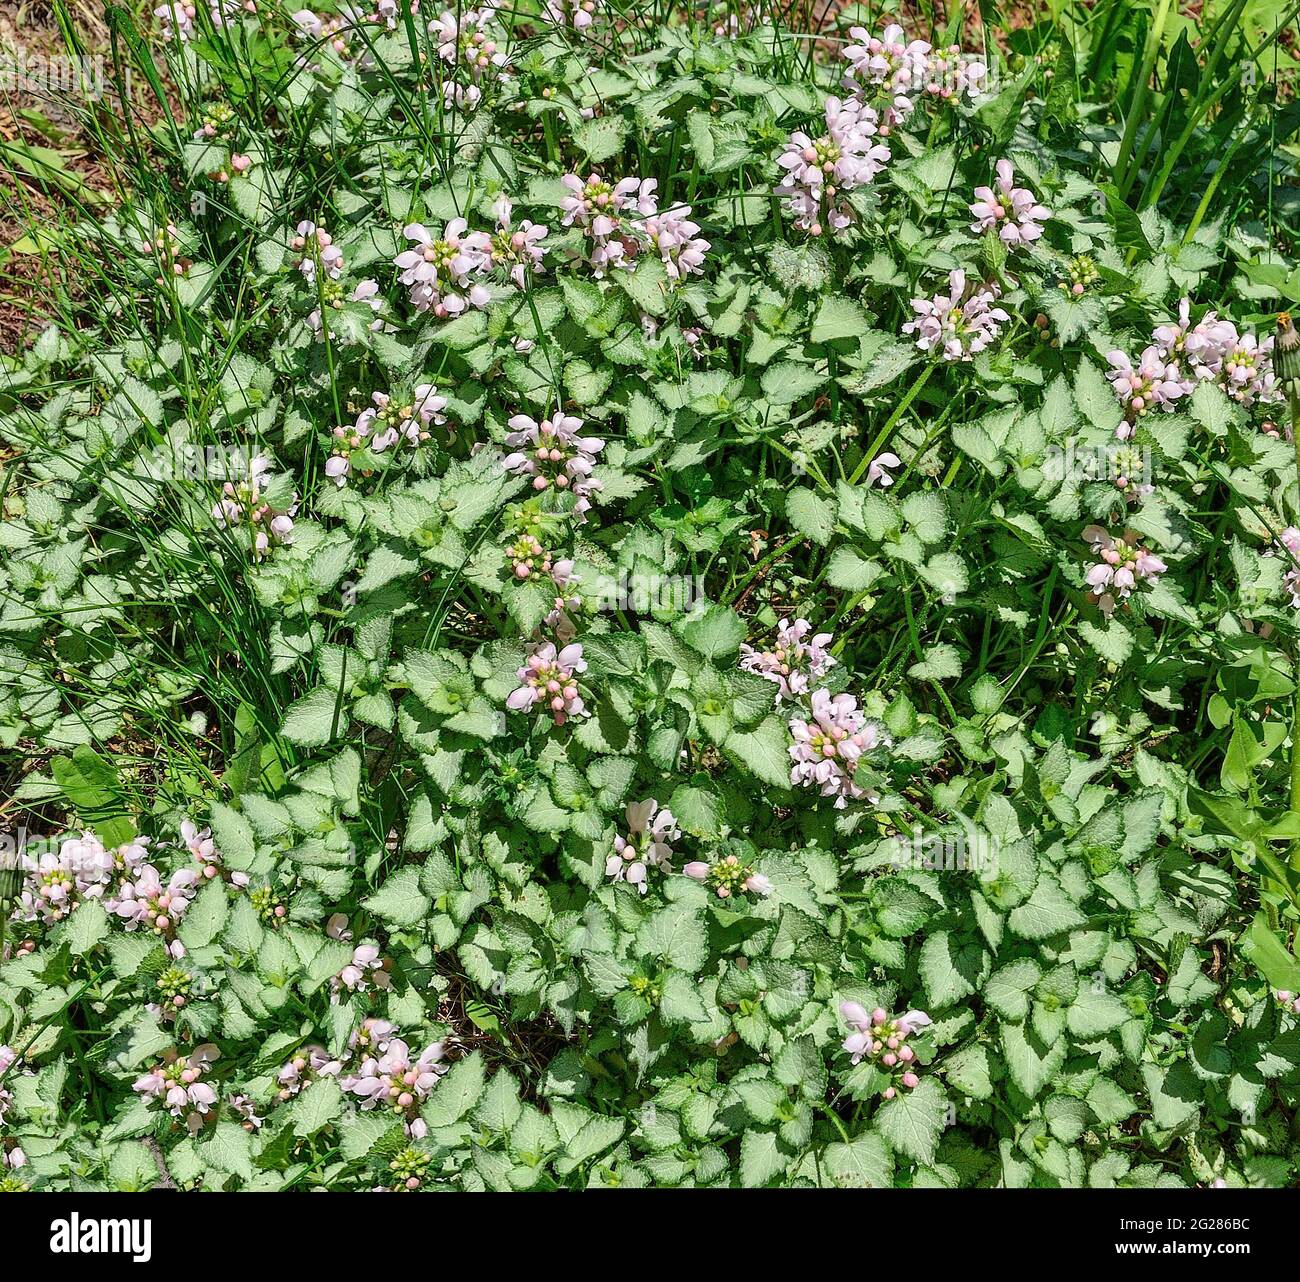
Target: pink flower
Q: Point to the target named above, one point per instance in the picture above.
(82, 869)
(366, 292)
(516, 250)
(951, 74)
(178, 1083)
(828, 748)
(676, 238)
(889, 63)
(388, 1077)
(304, 1067)
(1012, 210)
(1246, 372)
(1121, 564)
(554, 455)
(606, 212)
(650, 830)
(386, 422)
(317, 246)
(467, 47)
(1155, 382)
(364, 971)
(176, 21)
(578, 14)
(243, 505)
(550, 679)
(879, 471)
(955, 325)
(145, 901)
(440, 271)
(728, 875)
(790, 663)
(883, 1040)
(820, 172)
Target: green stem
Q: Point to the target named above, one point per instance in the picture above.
(1294, 405)
(899, 411)
(1154, 38)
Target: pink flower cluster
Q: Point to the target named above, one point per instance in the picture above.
(678, 242)
(820, 172)
(515, 250)
(1287, 1000)
(150, 902)
(178, 1083)
(471, 51)
(441, 272)
(554, 455)
(790, 663)
(880, 472)
(622, 220)
(728, 876)
(199, 842)
(365, 971)
(578, 14)
(1122, 563)
(1009, 209)
(528, 558)
(829, 744)
(883, 1040)
(388, 1077)
(242, 504)
(316, 245)
(338, 31)
(304, 1067)
(1288, 542)
(549, 678)
(1182, 354)
(8, 1057)
(386, 422)
(893, 72)
(960, 323)
(82, 868)
(606, 212)
(650, 832)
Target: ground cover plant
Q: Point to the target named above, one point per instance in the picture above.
(639, 595)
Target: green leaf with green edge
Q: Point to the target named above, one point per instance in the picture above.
(674, 933)
(762, 1158)
(314, 719)
(1266, 952)
(87, 927)
(229, 1148)
(317, 1106)
(715, 633)
(205, 918)
(811, 514)
(839, 318)
(1048, 911)
(913, 1120)
(456, 1093)
(399, 901)
(93, 788)
(602, 137)
(764, 751)
(647, 286)
(788, 382)
(864, 1162)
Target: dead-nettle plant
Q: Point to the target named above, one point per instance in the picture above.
(615, 595)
